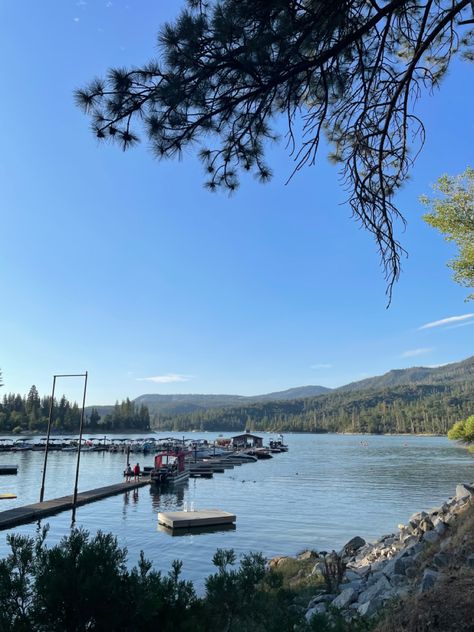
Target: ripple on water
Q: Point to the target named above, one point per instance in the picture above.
(322, 492)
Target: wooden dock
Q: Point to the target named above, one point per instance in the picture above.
(191, 519)
(36, 511)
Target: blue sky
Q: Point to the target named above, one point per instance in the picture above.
(114, 263)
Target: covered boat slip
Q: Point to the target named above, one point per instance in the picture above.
(195, 519)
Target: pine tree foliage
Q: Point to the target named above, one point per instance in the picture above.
(350, 69)
(19, 413)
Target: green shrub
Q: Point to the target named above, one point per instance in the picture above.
(83, 584)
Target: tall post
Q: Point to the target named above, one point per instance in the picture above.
(74, 499)
(45, 462)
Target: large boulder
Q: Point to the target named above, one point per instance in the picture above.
(430, 577)
(426, 524)
(440, 528)
(351, 547)
(381, 585)
(276, 561)
(431, 537)
(395, 566)
(320, 599)
(347, 596)
(319, 608)
(369, 608)
(464, 491)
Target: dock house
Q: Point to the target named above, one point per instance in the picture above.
(247, 440)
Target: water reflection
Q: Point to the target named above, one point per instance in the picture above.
(168, 499)
(322, 492)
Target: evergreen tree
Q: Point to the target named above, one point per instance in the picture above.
(94, 419)
(352, 69)
(33, 407)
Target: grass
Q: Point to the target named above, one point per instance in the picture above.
(297, 577)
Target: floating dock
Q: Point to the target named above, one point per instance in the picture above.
(31, 513)
(8, 469)
(176, 533)
(199, 519)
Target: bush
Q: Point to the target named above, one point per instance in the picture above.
(83, 584)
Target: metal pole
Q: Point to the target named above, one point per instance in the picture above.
(74, 499)
(51, 404)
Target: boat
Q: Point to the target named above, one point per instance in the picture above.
(245, 457)
(277, 445)
(21, 445)
(260, 453)
(170, 468)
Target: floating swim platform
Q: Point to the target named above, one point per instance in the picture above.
(8, 469)
(195, 519)
(176, 533)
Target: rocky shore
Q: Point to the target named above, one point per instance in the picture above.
(361, 578)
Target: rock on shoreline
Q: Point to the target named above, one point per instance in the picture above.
(366, 576)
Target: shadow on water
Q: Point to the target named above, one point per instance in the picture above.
(196, 531)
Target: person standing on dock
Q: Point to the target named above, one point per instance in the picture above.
(128, 473)
(136, 471)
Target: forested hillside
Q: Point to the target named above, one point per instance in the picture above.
(453, 372)
(431, 407)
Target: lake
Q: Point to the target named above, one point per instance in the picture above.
(325, 490)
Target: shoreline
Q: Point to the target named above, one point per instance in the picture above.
(35, 433)
(363, 577)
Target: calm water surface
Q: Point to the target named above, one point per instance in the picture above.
(325, 490)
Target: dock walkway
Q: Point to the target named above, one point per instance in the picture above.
(36, 511)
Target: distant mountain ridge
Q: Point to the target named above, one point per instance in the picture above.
(182, 404)
(420, 400)
(187, 403)
(447, 373)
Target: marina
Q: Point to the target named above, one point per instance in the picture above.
(299, 499)
(171, 467)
